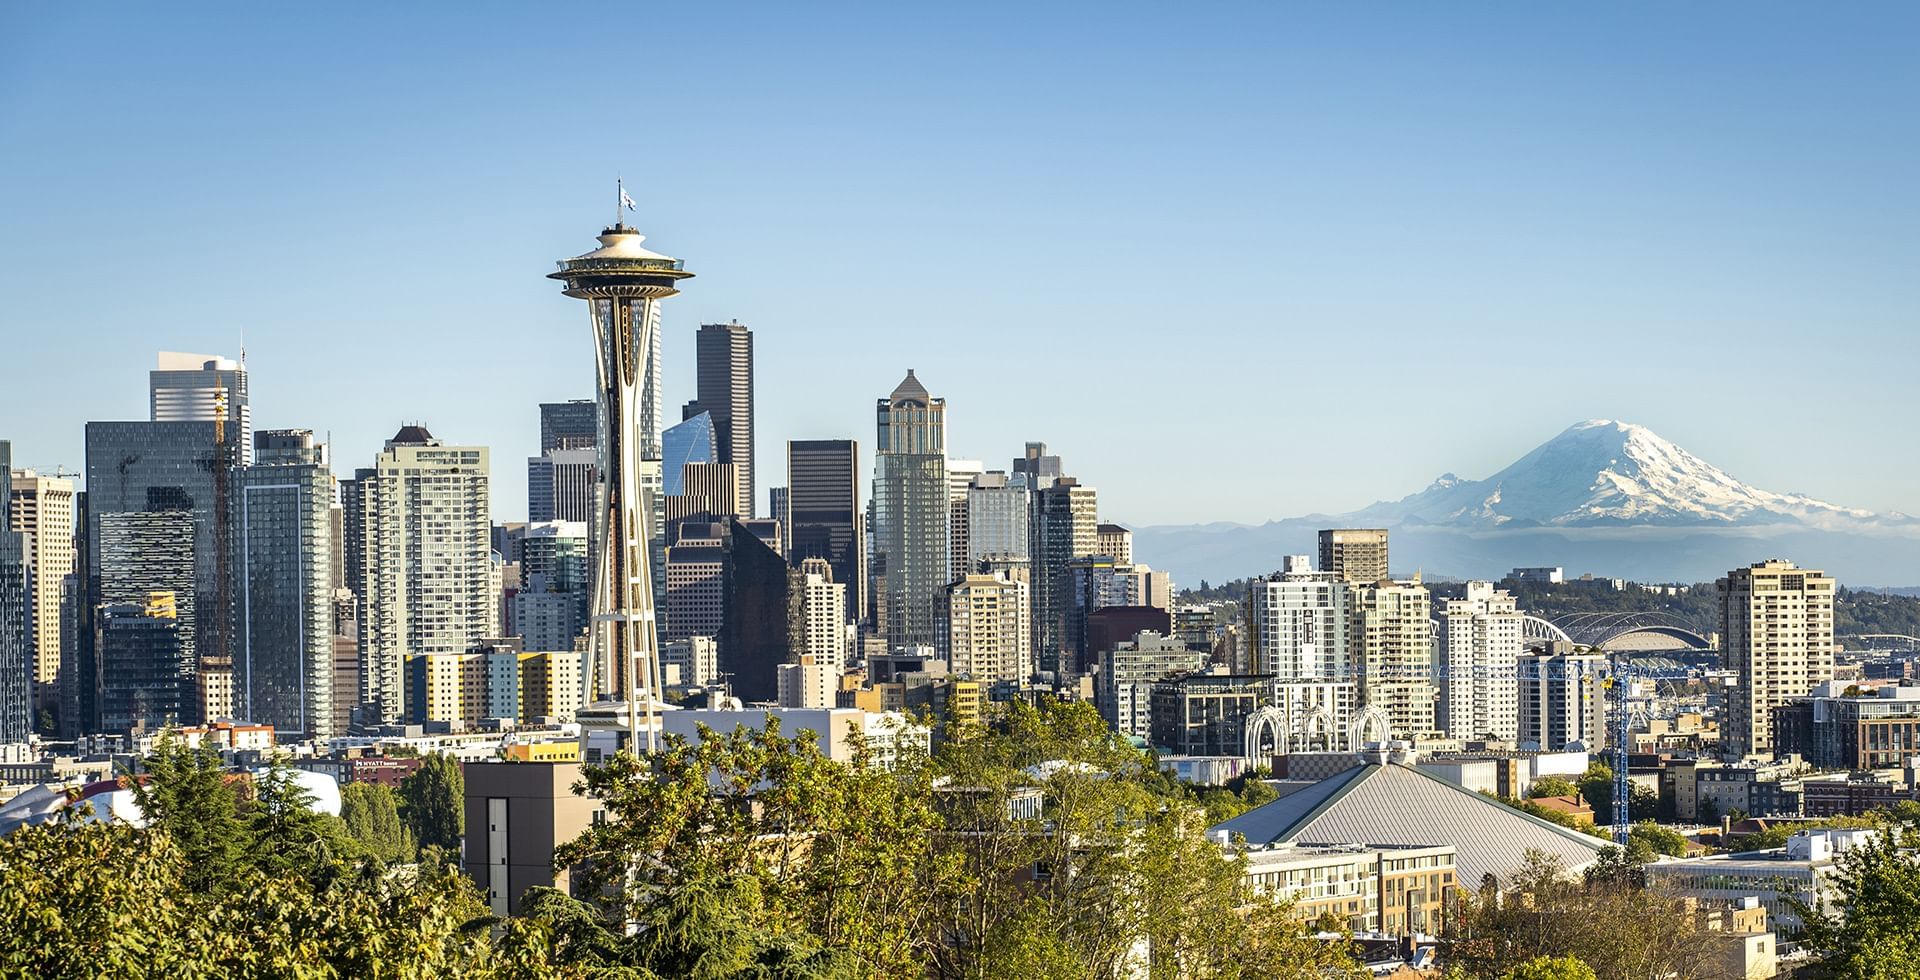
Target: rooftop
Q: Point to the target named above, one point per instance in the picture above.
(1392, 804)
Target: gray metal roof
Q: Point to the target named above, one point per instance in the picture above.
(1396, 804)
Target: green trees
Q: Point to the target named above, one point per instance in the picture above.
(433, 803)
(1871, 932)
(1660, 840)
(231, 877)
(371, 813)
(1551, 968)
(1606, 922)
(1552, 786)
(751, 852)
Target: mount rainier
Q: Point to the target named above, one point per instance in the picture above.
(1606, 497)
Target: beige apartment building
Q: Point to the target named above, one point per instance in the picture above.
(1776, 632)
(985, 629)
(41, 507)
(1391, 637)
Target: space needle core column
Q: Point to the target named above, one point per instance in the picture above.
(623, 285)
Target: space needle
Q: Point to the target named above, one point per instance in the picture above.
(623, 285)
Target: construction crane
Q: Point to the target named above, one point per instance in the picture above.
(1619, 728)
(1620, 719)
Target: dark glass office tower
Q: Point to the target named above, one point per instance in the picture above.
(146, 681)
(169, 479)
(765, 617)
(16, 637)
(724, 365)
(283, 599)
(823, 513)
(569, 425)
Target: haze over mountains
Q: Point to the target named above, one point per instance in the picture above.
(1606, 497)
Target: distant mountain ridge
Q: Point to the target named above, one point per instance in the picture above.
(1605, 496)
(1607, 473)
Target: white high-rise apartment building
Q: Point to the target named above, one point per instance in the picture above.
(41, 507)
(429, 560)
(1480, 650)
(813, 679)
(823, 613)
(1300, 623)
(1563, 699)
(1776, 630)
(985, 631)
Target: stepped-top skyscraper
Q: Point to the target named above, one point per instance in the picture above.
(910, 512)
(724, 376)
(623, 285)
(202, 388)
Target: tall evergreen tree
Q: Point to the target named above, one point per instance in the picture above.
(433, 803)
(372, 814)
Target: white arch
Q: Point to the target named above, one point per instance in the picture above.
(1264, 724)
(1366, 719)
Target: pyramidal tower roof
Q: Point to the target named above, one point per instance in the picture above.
(910, 389)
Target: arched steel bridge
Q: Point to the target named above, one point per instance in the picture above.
(1596, 629)
(1883, 641)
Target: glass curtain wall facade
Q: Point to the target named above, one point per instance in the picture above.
(283, 603)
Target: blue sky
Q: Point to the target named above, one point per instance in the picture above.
(1231, 262)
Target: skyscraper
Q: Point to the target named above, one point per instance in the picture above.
(429, 548)
(824, 516)
(999, 515)
(765, 620)
(184, 469)
(780, 513)
(960, 476)
(1480, 650)
(1391, 640)
(696, 590)
(1114, 541)
(1776, 630)
(1354, 554)
(16, 621)
(1039, 468)
(910, 511)
(550, 611)
(724, 386)
(203, 388)
(1300, 624)
(623, 285)
(691, 441)
(43, 509)
(146, 681)
(283, 602)
(561, 484)
(569, 425)
(1063, 528)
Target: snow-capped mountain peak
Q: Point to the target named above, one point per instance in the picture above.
(1607, 472)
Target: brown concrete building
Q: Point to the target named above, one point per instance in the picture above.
(518, 813)
(1354, 554)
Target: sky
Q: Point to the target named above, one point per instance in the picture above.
(1231, 262)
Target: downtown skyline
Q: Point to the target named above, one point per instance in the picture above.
(1590, 246)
